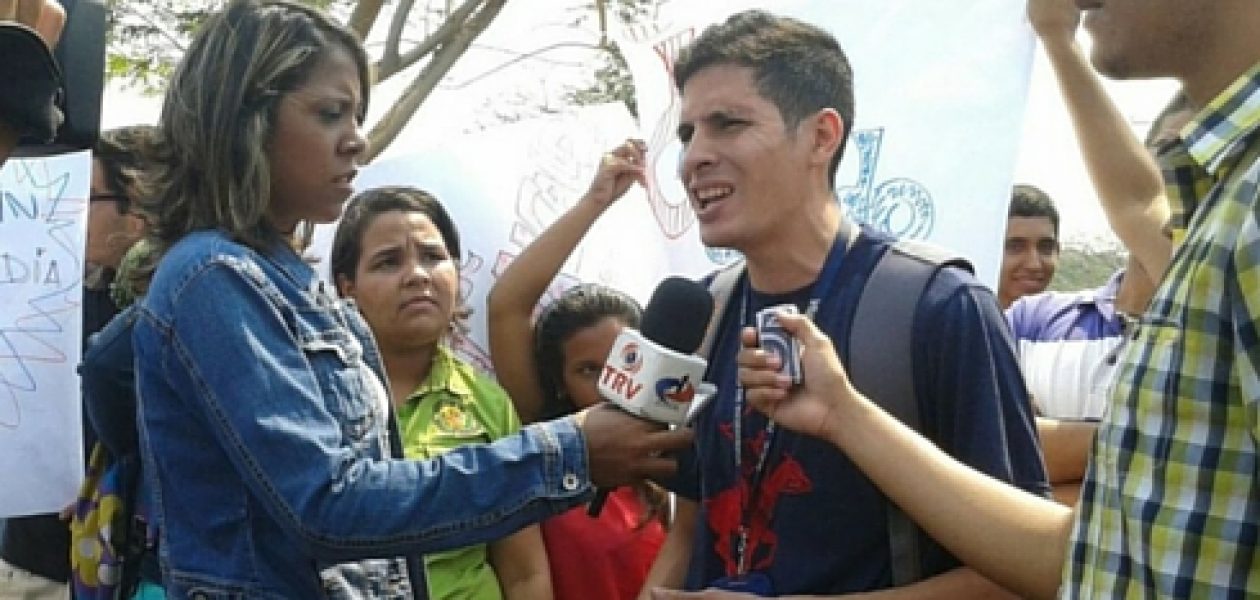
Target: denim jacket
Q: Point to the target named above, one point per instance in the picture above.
(108, 377)
(264, 436)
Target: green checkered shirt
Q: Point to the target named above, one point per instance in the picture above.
(1171, 506)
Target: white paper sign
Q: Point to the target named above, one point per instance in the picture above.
(43, 205)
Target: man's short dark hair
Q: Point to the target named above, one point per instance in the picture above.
(123, 154)
(1030, 201)
(798, 67)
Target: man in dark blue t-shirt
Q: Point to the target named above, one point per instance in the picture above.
(767, 104)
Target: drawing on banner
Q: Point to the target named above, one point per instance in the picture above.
(899, 206)
(460, 341)
(665, 151)
(540, 200)
(542, 197)
(39, 275)
(722, 256)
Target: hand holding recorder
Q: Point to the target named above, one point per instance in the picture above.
(807, 400)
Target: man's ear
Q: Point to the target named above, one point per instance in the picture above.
(828, 130)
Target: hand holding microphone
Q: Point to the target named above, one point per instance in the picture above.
(653, 373)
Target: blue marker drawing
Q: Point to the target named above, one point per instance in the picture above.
(722, 256)
(900, 206)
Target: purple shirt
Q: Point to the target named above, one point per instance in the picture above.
(1054, 316)
(1067, 346)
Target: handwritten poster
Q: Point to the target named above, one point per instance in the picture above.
(940, 94)
(43, 207)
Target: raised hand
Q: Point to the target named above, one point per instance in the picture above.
(1054, 19)
(618, 170)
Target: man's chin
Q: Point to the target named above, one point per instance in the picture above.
(716, 241)
(1034, 289)
(714, 235)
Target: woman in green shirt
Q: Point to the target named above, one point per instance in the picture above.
(396, 254)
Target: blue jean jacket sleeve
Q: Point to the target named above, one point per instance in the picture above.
(231, 373)
(107, 375)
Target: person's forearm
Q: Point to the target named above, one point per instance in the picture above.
(1065, 445)
(1125, 176)
(527, 277)
(962, 583)
(670, 567)
(1067, 494)
(520, 563)
(510, 306)
(1023, 542)
(531, 584)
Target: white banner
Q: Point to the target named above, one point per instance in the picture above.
(940, 93)
(504, 186)
(43, 207)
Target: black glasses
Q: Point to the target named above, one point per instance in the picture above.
(105, 197)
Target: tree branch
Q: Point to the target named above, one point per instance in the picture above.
(601, 9)
(396, 26)
(453, 23)
(156, 27)
(523, 56)
(364, 16)
(454, 46)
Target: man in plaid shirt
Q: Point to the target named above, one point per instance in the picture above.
(1170, 506)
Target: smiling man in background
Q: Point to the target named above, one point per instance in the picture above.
(1030, 250)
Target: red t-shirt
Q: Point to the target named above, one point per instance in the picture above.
(605, 556)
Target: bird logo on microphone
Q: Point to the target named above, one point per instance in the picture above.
(631, 359)
(673, 390)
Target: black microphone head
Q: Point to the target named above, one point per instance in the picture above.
(678, 314)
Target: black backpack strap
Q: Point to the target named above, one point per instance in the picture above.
(881, 356)
(132, 542)
(416, 575)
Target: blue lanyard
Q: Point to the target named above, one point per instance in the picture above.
(822, 289)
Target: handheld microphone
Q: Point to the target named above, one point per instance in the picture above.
(653, 373)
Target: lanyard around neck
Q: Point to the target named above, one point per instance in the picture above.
(822, 288)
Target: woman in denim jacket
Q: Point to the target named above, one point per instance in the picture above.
(264, 423)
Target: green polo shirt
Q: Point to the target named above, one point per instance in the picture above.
(456, 406)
